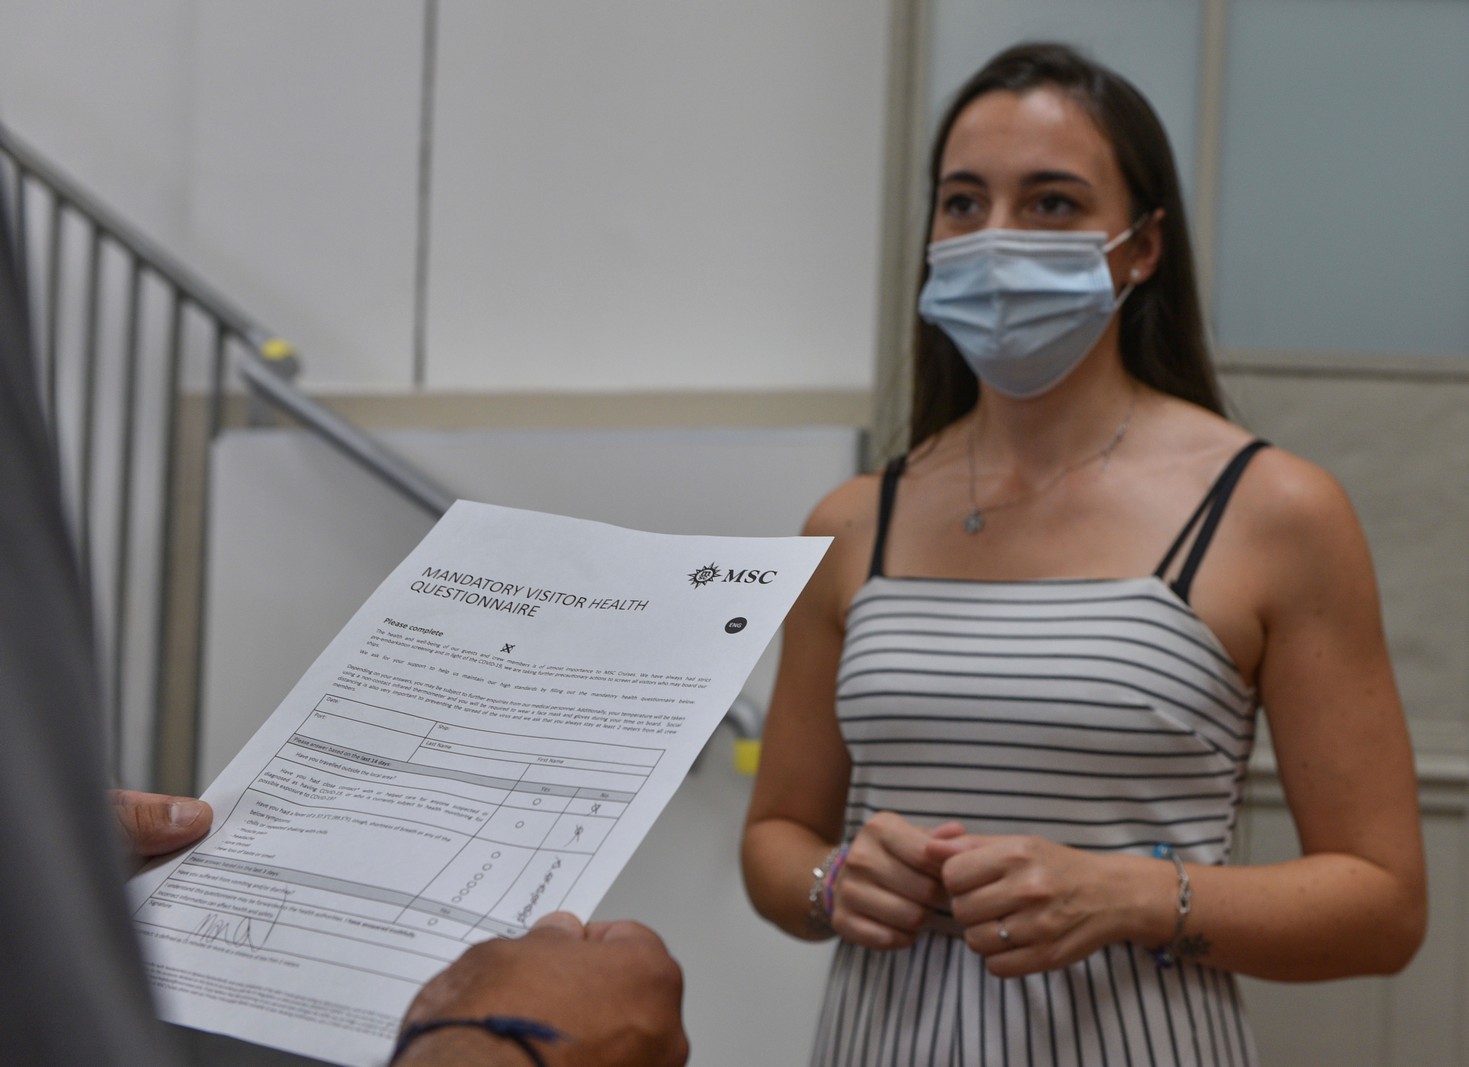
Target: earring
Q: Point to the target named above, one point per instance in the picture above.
(1136, 274)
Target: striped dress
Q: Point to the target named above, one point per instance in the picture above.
(1102, 714)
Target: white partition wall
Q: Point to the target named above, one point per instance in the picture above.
(1155, 41)
(1343, 224)
(303, 173)
(570, 196)
(632, 195)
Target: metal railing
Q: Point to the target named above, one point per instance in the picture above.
(129, 343)
(137, 357)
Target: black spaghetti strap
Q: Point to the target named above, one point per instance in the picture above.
(1193, 520)
(1211, 511)
(890, 475)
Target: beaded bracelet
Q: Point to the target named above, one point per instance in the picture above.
(519, 1031)
(822, 886)
(829, 883)
(1167, 956)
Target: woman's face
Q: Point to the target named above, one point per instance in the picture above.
(1031, 161)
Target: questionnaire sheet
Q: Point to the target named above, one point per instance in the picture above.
(485, 741)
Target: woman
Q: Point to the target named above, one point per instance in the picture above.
(1007, 744)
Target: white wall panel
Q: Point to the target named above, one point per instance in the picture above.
(1346, 152)
(1152, 43)
(1401, 450)
(1414, 1019)
(657, 195)
(106, 89)
(641, 195)
(303, 188)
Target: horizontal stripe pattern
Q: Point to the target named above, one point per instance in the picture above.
(1102, 714)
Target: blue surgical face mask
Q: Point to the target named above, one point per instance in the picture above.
(1023, 307)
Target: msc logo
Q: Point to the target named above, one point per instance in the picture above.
(745, 576)
(704, 575)
(751, 576)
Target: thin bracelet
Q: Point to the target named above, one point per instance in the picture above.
(829, 883)
(818, 914)
(1167, 956)
(519, 1031)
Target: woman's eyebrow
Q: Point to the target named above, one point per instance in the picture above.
(1045, 177)
(968, 177)
(1040, 177)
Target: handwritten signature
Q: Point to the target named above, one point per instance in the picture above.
(238, 930)
(231, 930)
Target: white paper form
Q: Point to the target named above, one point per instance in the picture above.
(487, 740)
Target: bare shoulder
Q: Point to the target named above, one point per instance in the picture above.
(848, 515)
(1287, 498)
(1309, 551)
(848, 510)
(1281, 493)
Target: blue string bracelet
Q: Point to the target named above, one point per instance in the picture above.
(519, 1031)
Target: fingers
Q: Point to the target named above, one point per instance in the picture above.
(623, 930)
(152, 824)
(1008, 949)
(1026, 904)
(559, 923)
(978, 878)
(888, 887)
(883, 932)
(942, 847)
(1018, 945)
(996, 937)
(973, 861)
(902, 840)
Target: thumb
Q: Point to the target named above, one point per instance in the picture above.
(559, 924)
(152, 823)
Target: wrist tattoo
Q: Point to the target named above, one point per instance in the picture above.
(1193, 947)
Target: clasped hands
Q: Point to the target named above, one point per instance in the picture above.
(1025, 903)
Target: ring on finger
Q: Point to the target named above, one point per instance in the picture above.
(1004, 934)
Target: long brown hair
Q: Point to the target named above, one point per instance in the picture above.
(1162, 327)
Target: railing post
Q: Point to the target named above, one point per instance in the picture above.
(280, 356)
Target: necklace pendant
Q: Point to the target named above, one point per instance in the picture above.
(974, 522)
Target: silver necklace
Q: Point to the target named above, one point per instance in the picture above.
(975, 520)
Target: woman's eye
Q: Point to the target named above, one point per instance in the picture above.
(960, 206)
(1054, 206)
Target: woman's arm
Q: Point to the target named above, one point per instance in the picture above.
(796, 810)
(887, 887)
(1355, 902)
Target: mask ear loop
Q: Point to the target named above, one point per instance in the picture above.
(1116, 242)
(1127, 234)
